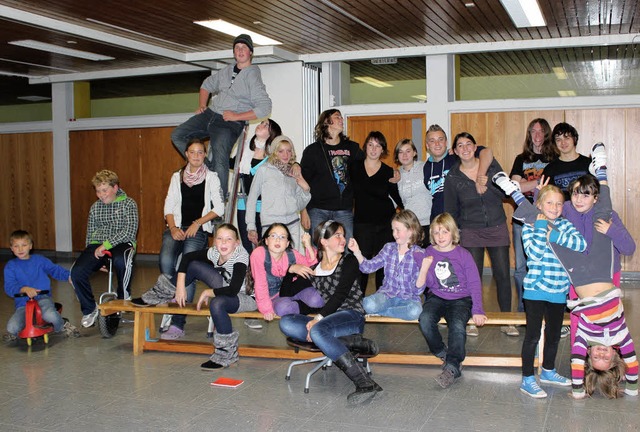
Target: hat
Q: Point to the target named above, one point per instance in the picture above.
(245, 39)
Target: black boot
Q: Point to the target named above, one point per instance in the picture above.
(360, 346)
(366, 388)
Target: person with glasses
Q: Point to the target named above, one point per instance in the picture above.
(284, 192)
(270, 262)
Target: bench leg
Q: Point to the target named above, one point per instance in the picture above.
(141, 322)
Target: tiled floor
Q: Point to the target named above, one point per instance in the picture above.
(96, 384)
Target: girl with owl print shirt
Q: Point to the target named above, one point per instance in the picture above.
(454, 292)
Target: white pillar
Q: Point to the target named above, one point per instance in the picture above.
(62, 111)
(441, 74)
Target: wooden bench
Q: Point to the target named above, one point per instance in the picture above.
(144, 333)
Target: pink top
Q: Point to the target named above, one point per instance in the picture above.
(278, 268)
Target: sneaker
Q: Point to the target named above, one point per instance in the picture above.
(90, 319)
(472, 330)
(173, 333)
(446, 378)
(253, 324)
(165, 323)
(531, 388)
(8, 337)
(209, 365)
(69, 330)
(510, 330)
(553, 377)
(565, 331)
(502, 180)
(598, 158)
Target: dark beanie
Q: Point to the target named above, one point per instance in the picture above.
(245, 39)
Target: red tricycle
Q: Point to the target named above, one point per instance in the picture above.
(34, 325)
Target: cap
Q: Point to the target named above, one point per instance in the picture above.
(245, 39)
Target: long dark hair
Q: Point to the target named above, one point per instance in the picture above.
(325, 230)
(380, 138)
(321, 131)
(249, 281)
(549, 150)
(274, 131)
(466, 135)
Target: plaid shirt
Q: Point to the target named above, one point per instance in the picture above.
(114, 223)
(546, 279)
(399, 276)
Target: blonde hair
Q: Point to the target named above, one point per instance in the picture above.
(446, 221)
(275, 145)
(546, 190)
(607, 382)
(409, 220)
(20, 235)
(105, 176)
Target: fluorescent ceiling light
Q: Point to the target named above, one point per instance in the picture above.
(372, 81)
(34, 98)
(524, 13)
(234, 30)
(566, 93)
(42, 46)
(560, 73)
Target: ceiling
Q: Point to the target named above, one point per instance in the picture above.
(160, 36)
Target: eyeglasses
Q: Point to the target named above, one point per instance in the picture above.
(275, 236)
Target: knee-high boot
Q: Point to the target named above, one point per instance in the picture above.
(366, 388)
(360, 346)
(226, 352)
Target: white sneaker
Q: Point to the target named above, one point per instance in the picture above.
(89, 320)
(510, 330)
(598, 158)
(472, 330)
(253, 324)
(502, 180)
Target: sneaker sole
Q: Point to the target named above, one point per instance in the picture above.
(556, 383)
(533, 395)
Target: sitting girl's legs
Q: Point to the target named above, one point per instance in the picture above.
(290, 305)
(457, 313)
(220, 307)
(393, 307)
(295, 326)
(432, 311)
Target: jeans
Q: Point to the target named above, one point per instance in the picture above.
(86, 264)
(223, 135)
(456, 313)
(201, 271)
(325, 333)
(499, 256)
(49, 314)
(345, 217)
(170, 253)
(242, 228)
(553, 314)
(220, 307)
(521, 262)
(393, 307)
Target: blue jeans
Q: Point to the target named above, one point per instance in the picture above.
(326, 332)
(86, 264)
(521, 262)
(220, 307)
(392, 307)
(499, 256)
(49, 314)
(223, 135)
(242, 228)
(345, 217)
(170, 252)
(456, 313)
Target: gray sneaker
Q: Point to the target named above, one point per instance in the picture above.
(253, 324)
(90, 319)
(446, 378)
(8, 337)
(69, 330)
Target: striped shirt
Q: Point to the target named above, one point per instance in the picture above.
(601, 322)
(546, 279)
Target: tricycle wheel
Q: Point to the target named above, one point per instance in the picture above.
(108, 325)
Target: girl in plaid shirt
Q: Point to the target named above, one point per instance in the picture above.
(398, 296)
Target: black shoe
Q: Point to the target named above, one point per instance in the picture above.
(209, 365)
(139, 302)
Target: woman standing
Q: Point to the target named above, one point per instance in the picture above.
(481, 218)
(376, 200)
(537, 152)
(415, 195)
(338, 326)
(194, 199)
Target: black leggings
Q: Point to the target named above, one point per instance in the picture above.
(553, 314)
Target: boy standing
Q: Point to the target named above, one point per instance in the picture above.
(571, 165)
(29, 274)
(240, 96)
(112, 226)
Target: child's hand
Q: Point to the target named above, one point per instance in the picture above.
(301, 270)
(181, 295)
(353, 245)
(426, 263)
(481, 184)
(396, 177)
(253, 236)
(204, 298)
(541, 217)
(269, 316)
(602, 226)
(306, 240)
(542, 182)
(479, 319)
(30, 292)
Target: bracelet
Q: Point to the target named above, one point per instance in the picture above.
(197, 222)
(170, 228)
